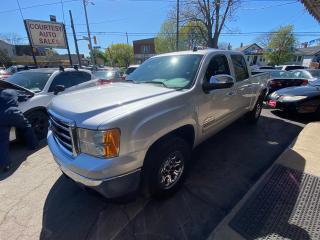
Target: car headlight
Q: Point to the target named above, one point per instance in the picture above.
(104, 144)
(292, 98)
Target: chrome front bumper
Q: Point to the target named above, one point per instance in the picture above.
(97, 173)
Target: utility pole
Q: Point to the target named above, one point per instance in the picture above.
(75, 39)
(177, 38)
(127, 38)
(89, 36)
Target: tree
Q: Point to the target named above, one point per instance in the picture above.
(5, 60)
(165, 41)
(189, 36)
(12, 38)
(120, 54)
(281, 45)
(213, 14)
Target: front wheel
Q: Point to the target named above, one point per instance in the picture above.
(254, 115)
(165, 166)
(39, 123)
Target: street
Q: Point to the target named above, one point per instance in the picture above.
(38, 202)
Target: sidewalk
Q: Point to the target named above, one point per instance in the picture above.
(285, 202)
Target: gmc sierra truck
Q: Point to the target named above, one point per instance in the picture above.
(139, 134)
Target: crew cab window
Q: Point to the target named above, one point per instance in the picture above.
(240, 67)
(218, 65)
(69, 79)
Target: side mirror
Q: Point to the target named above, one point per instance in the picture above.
(58, 88)
(219, 81)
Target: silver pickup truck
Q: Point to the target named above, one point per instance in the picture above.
(138, 134)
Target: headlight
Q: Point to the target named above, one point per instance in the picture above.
(104, 144)
(292, 98)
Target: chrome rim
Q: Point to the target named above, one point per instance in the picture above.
(171, 170)
(258, 110)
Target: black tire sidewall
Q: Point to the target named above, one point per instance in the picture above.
(155, 159)
(38, 114)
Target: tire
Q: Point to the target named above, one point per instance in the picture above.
(165, 167)
(39, 122)
(253, 116)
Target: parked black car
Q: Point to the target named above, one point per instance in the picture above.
(282, 79)
(304, 99)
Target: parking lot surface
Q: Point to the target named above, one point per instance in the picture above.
(37, 202)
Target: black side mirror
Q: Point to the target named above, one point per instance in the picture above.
(58, 88)
(220, 81)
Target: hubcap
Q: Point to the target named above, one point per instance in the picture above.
(171, 170)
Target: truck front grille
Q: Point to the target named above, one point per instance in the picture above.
(63, 133)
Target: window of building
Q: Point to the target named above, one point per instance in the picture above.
(145, 48)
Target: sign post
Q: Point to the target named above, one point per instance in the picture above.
(30, 42)
(47, 34)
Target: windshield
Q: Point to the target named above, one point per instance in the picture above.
(315, 73)
(315, 83)
(172, 71)
(107, 75)
(281, 74)
(130, 70)
(34, 81)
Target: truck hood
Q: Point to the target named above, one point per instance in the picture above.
(7, 85)
(87, 103)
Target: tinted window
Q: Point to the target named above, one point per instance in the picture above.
(315, 73)
(281, 74)
(218, 65)
(130, 70)
(289, 68)
(240, 67)
(172, 71)
(34, 81)
(69, 79)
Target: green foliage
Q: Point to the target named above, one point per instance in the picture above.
(165, 41)
(191, 34)
(120, 55)
(4, 59)
(281, 45)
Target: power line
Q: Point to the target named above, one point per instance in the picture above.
(37, 5)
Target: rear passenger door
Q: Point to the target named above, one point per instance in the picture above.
(243, 85)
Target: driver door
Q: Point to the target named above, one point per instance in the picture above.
(216, 106)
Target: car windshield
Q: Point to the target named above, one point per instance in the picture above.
(281, 74)
(315, 83)
(170, 71)
(106, 75)
(130, 70)
(315, 73)
(34, 81)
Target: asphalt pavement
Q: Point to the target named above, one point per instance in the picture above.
(37, 202)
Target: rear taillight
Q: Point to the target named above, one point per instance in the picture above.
(103, 81)
(275, 83)
(304, 82)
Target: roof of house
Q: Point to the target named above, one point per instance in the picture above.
(313, 7)
(247, 46)
(309, 51)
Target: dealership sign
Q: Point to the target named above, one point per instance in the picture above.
(46, 34)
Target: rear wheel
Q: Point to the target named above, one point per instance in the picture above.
(254, 115)
(165, 166)
(39, 122)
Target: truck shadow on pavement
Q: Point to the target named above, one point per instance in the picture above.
(223, 170)
(19, 155)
